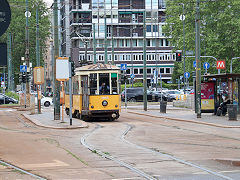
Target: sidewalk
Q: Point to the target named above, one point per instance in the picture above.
(46, 120)
(184, 114)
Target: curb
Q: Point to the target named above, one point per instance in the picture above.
(37, 123)
(184, 120)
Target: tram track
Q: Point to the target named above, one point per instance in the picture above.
(153, 151)
(130, 127)
(185, 129)
(21, 170)
(116, 160)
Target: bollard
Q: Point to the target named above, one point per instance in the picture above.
(163, 106)
(232, 111)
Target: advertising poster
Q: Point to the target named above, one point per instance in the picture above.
(207, 96)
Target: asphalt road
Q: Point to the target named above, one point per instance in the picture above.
(159, 148)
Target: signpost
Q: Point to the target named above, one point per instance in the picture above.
(23, 68)
(62, 74)
(221, 64)
(206, 66)
(123, 67)
(187, 75)
(194, 64)
(38, 77)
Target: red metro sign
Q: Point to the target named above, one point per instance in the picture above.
(221, 64)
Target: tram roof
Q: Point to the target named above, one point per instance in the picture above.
(97, 67)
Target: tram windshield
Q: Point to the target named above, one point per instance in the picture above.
(104, 87)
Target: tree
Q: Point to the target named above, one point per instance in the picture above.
(17, 30)
(220, 24)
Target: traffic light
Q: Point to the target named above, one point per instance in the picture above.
(28, 77)
(24, 78)
(72, 68)
(178, 56)
(20, 78)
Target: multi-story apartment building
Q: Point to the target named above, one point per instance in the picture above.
(123, 36)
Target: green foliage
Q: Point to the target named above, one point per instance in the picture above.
(220, 27)
(17, 30)
(12, 94)
(138, 84)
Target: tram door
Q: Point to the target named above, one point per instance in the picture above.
(85, 97)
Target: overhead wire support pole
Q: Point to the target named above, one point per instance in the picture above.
(112, 46)
(198, 61)
(184, 64)
(27, 44)
(144, 62)
(105, 39)
(94, 45)
(9, 53)
(56, 54)
(37, 39)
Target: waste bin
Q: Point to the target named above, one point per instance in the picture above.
(163, 106)
(232, 111)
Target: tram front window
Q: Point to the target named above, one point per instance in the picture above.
(104, 83)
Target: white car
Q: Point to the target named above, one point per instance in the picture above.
(46, 101)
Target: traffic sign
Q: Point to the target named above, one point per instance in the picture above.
(5, 16)
(187, 75)
(123, 67)
(206, 65)
(194, 64)
(221, 64)
(132, 76)
(23, 68)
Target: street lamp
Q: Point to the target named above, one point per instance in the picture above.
(182, 18)
(231, 63)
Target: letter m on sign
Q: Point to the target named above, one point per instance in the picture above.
(221, 64)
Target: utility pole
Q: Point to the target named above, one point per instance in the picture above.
(56, 54)
(27, 14)
(94, 45)
(198, 61)
(144, 62)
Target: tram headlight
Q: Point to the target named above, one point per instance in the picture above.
(104, 103)
(116, 105)
(92, 107)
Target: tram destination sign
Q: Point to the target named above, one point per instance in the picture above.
(5, 16)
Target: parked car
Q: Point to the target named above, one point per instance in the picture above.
(173, 93)
(136, 94)
(8, 100)
(45, 101)
(156, 96)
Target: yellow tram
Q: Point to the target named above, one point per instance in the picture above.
(96, 92)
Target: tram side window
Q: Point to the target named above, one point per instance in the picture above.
(114, 83)
(93, 84)
(104, 83)
(75, 85)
